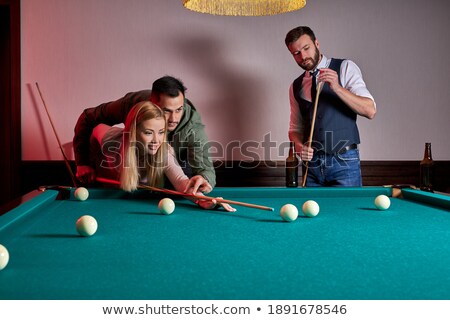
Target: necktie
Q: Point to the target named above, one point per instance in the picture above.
(313, 84)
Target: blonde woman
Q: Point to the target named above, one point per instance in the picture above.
(139, 154)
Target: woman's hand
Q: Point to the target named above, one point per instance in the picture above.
(212, 204)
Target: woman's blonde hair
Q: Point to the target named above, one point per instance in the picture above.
(154, 164)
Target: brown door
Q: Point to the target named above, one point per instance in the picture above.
(10, 121)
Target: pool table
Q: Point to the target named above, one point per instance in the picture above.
(350, 250)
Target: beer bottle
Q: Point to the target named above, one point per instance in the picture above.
(426, 169)
(292, 167)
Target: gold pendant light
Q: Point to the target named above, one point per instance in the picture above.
(244, 7)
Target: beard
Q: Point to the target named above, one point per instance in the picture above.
(309, 64)
(171, 126)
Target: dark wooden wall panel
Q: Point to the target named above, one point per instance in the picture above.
(254, 174)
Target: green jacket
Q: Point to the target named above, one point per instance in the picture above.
(189, 139)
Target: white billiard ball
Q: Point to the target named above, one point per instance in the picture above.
(310, 208)
(4, 257)
(81, 194)
(289, 212)
(382, 202)
(86, 225)
(166, 206)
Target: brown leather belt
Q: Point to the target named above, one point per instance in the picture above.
(342, 151)
(348, 148)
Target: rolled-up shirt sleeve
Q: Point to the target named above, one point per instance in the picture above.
(352, 80)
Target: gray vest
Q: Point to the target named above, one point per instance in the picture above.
(335, 126)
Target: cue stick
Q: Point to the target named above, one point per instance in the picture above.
(74, 181)
(319, 87)
(400, 186)
(202, 197)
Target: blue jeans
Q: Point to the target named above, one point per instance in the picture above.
(338, 170)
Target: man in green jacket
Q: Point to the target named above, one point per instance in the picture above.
(186, 132)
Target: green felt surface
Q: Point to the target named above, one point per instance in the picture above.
(349, 251)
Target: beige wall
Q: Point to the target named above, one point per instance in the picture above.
(237, 69)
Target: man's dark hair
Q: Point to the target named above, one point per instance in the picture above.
(168, 85)
(296, 33)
